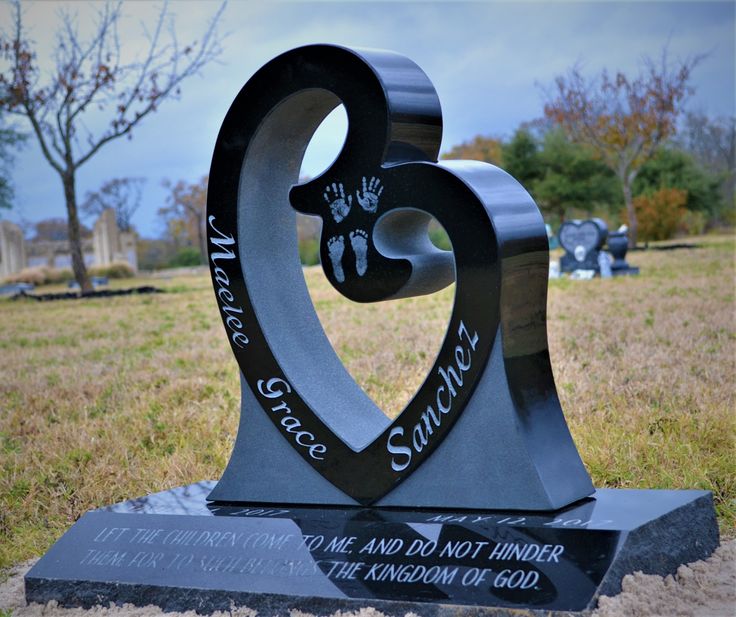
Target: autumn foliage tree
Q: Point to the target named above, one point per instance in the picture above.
(480, 148)
(660, 213)
(623, 120)
(91, 85)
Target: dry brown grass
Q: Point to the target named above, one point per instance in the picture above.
(101, 400)
(645, 367)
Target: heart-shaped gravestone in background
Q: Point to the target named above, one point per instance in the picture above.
(590, 235)
(485, 428)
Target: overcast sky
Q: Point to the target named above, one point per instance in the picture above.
(486, 60)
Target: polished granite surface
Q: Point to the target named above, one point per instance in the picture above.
(177, 550)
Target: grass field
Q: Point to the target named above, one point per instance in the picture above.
(107, 399)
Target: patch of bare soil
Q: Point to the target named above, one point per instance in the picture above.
(701, 589)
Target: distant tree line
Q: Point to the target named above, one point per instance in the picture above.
(610, 145)
(184, 241)
(568, 179)
(619, 147)
(685, 187)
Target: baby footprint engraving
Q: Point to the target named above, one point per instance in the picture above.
(339, 205)
(335, 248)
(359, 242)
(372, 190)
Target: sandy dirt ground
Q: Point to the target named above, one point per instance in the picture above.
(700, 589)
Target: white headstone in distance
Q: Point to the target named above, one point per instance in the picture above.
(12, 249)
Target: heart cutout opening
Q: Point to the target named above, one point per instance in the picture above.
(325, 145)
(387, 347)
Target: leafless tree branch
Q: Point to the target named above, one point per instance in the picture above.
(89, 74)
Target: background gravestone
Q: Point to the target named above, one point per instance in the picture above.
(497, 511)
(12, 249)
(582, 241)
(618, 245)
(110, 244)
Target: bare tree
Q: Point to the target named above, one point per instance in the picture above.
(90, 79)
(712, 141)
(623, 120)
(56, 229)
(185, 211)
(10, 139)
(123, 195)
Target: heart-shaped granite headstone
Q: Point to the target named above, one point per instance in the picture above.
(580, 238)
(485, 428)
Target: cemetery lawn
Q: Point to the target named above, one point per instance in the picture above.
(107, 399)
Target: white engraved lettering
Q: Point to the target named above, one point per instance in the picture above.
(452, 378)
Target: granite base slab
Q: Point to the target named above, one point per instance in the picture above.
(176, 550)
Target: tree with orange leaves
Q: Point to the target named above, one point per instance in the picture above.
(480, 148)
(91, 81)
(623, 120)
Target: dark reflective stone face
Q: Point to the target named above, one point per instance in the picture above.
(376, 201)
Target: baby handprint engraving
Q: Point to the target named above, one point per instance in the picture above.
(372, 190)
(367, 195)
(339, 205)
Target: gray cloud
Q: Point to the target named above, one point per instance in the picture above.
(485, 59)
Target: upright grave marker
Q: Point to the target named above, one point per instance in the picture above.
(496, 508)
(618, 245)
(111, 244)
(583, 242)
(12, 249)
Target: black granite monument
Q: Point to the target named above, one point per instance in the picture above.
(474, 499)
(618, 246)
(583, 241)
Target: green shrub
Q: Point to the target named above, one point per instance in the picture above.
(186, 257)
(693, 223)
(309, 251)
(439, 237)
